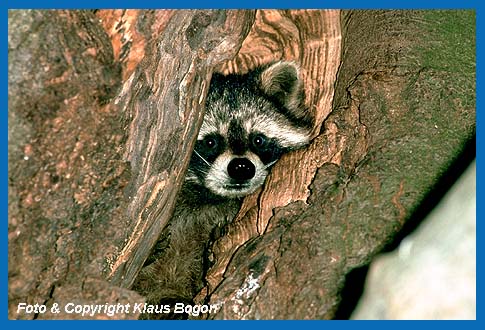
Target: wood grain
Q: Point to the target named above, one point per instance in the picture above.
(311, 39)
(163, 102)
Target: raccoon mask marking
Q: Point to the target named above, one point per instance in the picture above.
(250, 121)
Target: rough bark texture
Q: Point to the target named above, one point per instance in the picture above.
(66, 174)
(403, 109)
(312, 38)
(77, 214)
(163, 119)
(104, 107)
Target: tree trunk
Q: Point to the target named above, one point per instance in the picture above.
(94, 184)
(104, 108)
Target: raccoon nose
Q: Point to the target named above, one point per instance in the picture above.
(241, 169)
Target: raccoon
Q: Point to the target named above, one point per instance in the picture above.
(250, 121)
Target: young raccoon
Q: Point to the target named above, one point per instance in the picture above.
(250, 121)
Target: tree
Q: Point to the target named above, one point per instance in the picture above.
(104, 107)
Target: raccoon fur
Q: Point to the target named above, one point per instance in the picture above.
(250, 121)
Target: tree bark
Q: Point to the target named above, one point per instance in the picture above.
(104, 107)
(103, 188)
(398, 120)
(163, 120)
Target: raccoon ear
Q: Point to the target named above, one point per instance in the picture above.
(281, 81)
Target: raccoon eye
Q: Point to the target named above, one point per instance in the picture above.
(259, 140)
(210, 142)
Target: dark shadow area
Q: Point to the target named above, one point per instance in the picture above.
(351, 293)
(355, 279)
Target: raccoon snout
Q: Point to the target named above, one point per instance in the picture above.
(241, 169)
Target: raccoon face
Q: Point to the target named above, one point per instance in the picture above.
(250, 121)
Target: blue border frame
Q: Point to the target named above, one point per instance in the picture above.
(24, 4)
(4, 165)
(329, 4)
(479, 154)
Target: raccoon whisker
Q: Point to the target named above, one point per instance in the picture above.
(192, 174)
(269, 164)
(205, 161)
(200, 170)
(237, 185)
